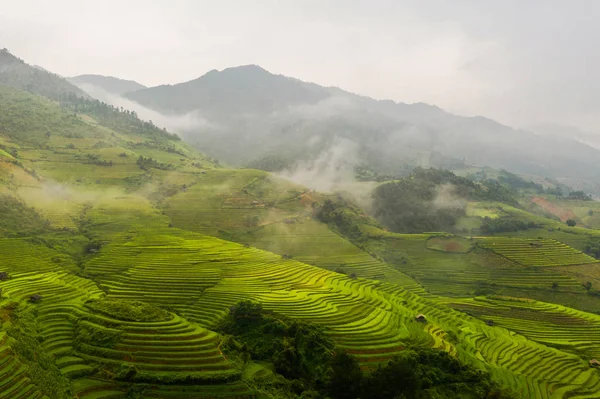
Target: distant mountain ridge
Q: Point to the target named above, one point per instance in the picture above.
(109, 84)
(247, 88)
(253, 113)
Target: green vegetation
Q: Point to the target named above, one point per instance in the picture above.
(313, 368)
(128, 310)
(541, 252)
(431, 200)
(19, 219)
(132, 266)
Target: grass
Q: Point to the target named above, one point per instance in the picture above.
(257, 209)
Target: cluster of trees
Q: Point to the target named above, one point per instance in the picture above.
(365, 172)
(518, 183)
(96, 160)
(300, 352)
(339, 217)
(309, 366)
(579, 195)
(407, 205)
(19, 220)
(573, 195)
(114, 117)
(149, 162)
(419, 373)
(592, 247)
(504, 225)
(433, 200)
(271, 163)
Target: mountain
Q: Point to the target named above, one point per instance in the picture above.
(16, 73)
(247, 88)
(107, 83)
(252, 114)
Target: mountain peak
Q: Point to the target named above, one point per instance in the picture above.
(8, 57)
(250, 71)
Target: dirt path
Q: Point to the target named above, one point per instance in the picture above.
(563, 214)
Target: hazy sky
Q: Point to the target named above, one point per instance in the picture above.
(522, 62)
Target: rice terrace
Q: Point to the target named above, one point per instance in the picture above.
(247, 235)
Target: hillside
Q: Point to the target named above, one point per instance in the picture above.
(138, 267)
(107, 83)
(252, 114)
(16, 73)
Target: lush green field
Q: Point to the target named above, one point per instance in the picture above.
(258, 209)
(536, 252)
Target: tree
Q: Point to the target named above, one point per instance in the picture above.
(346, 377)
(571, 223)
(588, 285)
(247, 312)
(554, 285)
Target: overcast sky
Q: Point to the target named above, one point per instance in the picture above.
(522, 62)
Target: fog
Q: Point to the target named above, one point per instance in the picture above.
(521, 63)
(174, 123)
(332, 167)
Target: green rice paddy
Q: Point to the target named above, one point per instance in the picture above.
(138, 268)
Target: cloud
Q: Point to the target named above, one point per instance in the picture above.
(324, 109)
(446, 198)
(332, 167)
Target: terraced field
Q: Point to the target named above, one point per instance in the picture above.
(201, 277)
(371, 320)
(536, 252)
(464, 274)
(223, 201)
(14, 382)
(530, 369)
(551, 324)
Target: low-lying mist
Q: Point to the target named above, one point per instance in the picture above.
(332, 170)
(332, 166)
(174, 123)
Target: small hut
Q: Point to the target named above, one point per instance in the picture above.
(489, 322)
(421, 318)
(594, 363)
(3, 276)
(35, 298)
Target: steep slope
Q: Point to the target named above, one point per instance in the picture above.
(254, 113)
(16, 73)
(107, 83)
